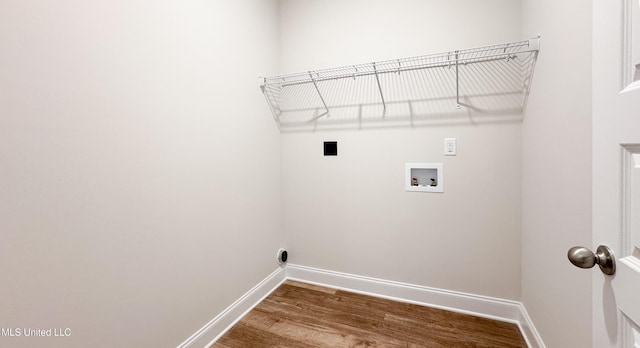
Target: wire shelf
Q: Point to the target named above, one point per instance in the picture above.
(492, 81)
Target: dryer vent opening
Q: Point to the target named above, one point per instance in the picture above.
(282, 256)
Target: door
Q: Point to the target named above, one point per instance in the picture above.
(616, 169)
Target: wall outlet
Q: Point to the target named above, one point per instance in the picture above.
(450, 146)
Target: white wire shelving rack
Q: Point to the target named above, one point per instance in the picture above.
(494, 79)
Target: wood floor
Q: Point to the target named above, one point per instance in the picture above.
(303, 315)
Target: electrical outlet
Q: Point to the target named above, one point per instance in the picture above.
(450, 146)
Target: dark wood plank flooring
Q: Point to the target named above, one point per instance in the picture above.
(303, 315)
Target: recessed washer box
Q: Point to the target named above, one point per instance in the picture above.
(424, 177)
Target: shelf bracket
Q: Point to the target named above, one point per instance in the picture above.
(457, 83)
(384, 105)
(534, 44)
(320, 95)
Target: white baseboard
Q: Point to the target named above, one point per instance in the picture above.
(528, 330)
(483, 306)
(217, 327)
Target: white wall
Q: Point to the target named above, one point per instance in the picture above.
(556, 167)
(139, 166)
(350, 213)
